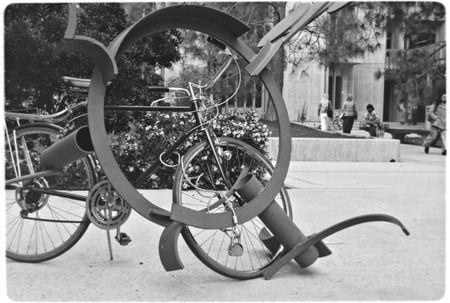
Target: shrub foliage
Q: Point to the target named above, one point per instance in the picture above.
(137, 150)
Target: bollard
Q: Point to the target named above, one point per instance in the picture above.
(70, 149)
(278, 222)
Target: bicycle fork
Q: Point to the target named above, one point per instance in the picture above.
(235, 248)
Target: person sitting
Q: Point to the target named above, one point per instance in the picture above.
(373, 123)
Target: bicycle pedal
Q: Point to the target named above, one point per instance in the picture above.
(123, 239)
(235, 250)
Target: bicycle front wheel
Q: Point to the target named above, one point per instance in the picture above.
(337, 125)
(199, 185)
(45, 216)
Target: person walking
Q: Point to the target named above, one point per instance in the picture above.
(437, 116)
(349, 114)
(324, 107)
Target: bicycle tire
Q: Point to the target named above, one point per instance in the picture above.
(211, 246)
(337, 125)
(43, 235)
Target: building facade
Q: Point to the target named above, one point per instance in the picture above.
(303, 90)
(364, 78)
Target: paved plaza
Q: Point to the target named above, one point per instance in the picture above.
(372, 261)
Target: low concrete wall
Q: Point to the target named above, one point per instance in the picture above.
(343, 150)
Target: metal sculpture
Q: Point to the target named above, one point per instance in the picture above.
(75, 146)
(304, 250)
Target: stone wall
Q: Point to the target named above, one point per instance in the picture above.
(342, 150)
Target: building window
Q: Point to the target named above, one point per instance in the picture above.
(389, 40)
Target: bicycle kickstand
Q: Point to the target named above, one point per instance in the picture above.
(108, 235)
(122, 238)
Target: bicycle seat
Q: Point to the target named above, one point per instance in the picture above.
(76, 82)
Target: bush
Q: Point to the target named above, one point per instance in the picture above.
(150, 136)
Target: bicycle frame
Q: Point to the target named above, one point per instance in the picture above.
(200, 125)
(50, 119)
(53, 118)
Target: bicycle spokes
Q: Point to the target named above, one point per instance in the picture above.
(45, 216)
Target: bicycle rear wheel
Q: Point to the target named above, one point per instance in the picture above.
(43, 217)
(196, 184)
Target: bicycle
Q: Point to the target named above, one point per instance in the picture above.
(337, 121)
(203, 181)
(37, 206)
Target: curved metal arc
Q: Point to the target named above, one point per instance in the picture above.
(87, 46)
(301, 247)
(93, 49)
(196, 15)
(72, 22)
(168, 247)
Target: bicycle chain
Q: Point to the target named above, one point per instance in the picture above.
(51, 220)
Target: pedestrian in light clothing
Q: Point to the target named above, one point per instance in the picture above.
(401, 108)
(437, 115)
(349, 114)
(324, 106)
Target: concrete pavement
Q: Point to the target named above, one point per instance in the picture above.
(373, 261)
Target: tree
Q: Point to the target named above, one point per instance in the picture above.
(32, 32)
(417, 74)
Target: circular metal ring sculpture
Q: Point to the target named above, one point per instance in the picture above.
(226, 29)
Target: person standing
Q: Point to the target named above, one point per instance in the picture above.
(349, 114)
(438, 119)
(324, 106)
(402, 110)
